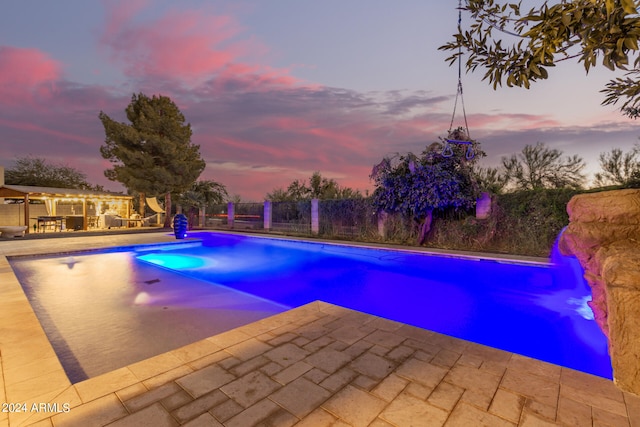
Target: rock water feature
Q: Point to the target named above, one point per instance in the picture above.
(604, 235)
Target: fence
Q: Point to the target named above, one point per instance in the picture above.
(235, 215)
(338, 218)
(289, 217)
(349, 218)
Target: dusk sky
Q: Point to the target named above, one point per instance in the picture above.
(275, 90)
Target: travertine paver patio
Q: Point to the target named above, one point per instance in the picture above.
(317, 365)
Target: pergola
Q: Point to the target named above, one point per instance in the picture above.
(52, 196)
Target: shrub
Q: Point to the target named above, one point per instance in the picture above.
(523, 223)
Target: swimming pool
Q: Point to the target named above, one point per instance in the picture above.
(537, 310)
(105, 310)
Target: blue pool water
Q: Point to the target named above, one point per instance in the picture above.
(103, 310)
(537, 310)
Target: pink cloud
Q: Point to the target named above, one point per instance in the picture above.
(516, 121)
(287, 123)
(253, 151)
(26, 74)
(190, 46)
(260, 74)
(315, 140)
(34, 128)
(119, 14)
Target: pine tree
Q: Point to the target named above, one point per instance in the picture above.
(153, 155)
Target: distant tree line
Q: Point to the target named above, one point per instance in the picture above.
(415, 185)
(535, 167)
(35, 171)
(619, 168)
(318, 187)
(539, 166)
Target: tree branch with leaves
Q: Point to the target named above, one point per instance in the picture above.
(590, 31)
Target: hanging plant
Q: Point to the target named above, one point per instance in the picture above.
(458, 134)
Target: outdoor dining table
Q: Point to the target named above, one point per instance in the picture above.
(49, 221)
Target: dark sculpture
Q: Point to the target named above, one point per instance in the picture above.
(180, 226)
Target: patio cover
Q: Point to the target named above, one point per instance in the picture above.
(50, 194)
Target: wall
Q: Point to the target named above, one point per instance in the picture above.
(13, 214)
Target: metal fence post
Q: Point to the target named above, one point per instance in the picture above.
(315, 221)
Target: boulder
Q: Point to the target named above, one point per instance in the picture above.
(621, 274)
(604, 235)
(598, 301)
(611, 207)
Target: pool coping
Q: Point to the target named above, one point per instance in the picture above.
(31, 372)
(524, 259)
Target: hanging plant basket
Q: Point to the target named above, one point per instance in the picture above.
(458, 135)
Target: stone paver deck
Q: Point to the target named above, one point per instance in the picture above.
(316, 365)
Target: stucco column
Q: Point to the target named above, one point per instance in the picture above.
(230, 214)
(203, 216)
(382, 219)
(315, 219)
(483, 206)
(268, 214)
